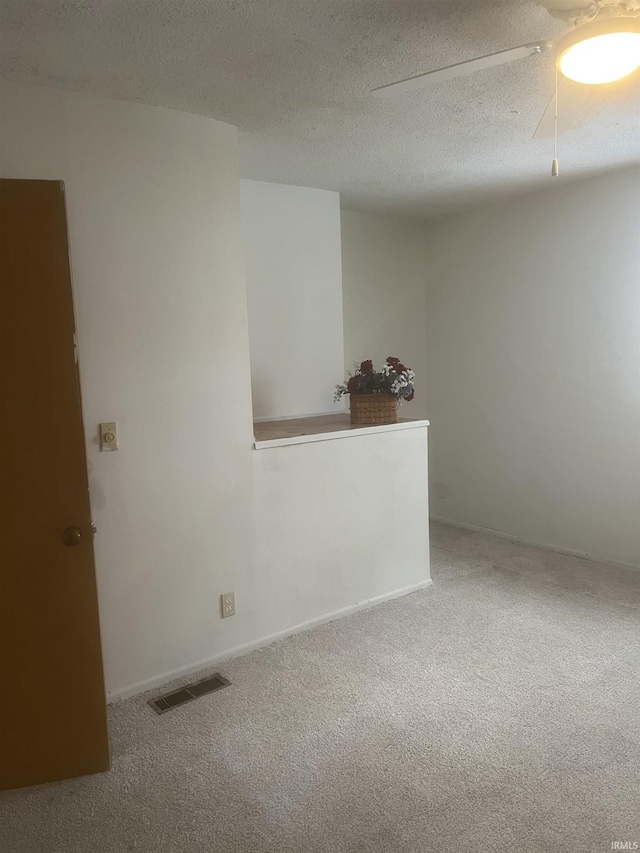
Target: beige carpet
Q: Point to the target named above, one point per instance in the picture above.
(498, 710)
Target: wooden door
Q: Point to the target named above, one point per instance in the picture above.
(52, 703)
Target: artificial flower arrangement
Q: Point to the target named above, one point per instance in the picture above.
(393, 378)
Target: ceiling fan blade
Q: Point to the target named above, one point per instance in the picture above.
(461, 68)
(572, 102)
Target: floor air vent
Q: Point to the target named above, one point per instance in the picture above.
(187, 694)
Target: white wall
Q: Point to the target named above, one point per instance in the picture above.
(384, 274)
(533, 342)
(155, 235)
(341, 522)
(294, 291)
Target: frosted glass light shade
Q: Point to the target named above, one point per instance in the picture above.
(600, 52)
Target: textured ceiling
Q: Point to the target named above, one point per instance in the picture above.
(296, 75)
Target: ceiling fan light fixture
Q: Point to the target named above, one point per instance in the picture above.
(600, 52)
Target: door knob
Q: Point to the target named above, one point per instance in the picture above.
(72, 536)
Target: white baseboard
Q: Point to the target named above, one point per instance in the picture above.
(238, 651)
(616, 563)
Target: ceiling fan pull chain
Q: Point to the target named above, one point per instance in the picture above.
(554, 166)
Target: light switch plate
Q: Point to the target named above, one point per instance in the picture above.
(109, 436)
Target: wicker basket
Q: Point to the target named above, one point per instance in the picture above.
(373, 409)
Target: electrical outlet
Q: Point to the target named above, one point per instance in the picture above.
(228, 604)
(442, 490)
